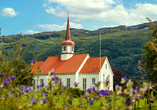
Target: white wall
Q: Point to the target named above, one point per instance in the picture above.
(66, 56)
(88, 77)
(107, 71)
(62, 76)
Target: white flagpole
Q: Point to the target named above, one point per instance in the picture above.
(100, 62)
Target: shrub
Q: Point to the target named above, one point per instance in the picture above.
(75, 92)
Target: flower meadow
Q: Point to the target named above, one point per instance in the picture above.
(56, 96)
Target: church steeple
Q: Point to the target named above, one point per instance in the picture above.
(68, 29)
(67, 44)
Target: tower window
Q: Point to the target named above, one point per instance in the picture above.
(72, 49)
(64, 48)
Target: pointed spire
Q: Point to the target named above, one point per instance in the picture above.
(68, 28)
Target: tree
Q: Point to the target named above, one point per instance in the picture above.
(149, 59)
(11, 63)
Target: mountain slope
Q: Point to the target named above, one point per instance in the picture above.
(122, 45)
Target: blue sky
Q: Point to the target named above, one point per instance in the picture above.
(34, 16)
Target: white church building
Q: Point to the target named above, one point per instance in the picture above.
(71, 67)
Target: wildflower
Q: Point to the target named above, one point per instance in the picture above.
(64, 106)
(41, 84)
(135, 90)
(65, 87)
(33, 62)
(42, 101)
(106, 81)
(91, 102)
(2, 74)
(12, 77)
(26, 89)
(75, 84)
(6, 82)
(129, 84)
(48, 78)
(123, 80)
(118, 89)
(97, 85)
(103, 92)
(47, 88)
(89, 90)
(33, 101)
(51, 72)
(53, 78)
(38, 86)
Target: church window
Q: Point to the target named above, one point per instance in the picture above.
(72, 49)
(84, 84)
(41, 80)
(106, 66)
(103, 75)
(68, 82)
(64, 48)
(93, 80)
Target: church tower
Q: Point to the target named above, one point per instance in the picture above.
(67, 44)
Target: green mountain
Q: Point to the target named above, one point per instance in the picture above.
(122, 45)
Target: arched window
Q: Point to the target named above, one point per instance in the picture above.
(64, 48)
(72, 49)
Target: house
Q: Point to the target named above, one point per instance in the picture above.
(71, 67)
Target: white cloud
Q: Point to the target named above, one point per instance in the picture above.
(103, 10)
(30, 32)
(109, 26)
(54, 27)
(9, 12)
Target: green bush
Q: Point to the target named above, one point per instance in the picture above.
(75, 92)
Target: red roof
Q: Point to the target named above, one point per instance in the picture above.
(61, 66)
(37, 64)
(92, 65)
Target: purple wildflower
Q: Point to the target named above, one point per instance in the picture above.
(75, 84)
(26, 89)
(2, 74)
(6, 82)
(64, 106)
(33, 101)
(103, 92)
(89, 90)
(91, 102)
(46, 88)
(41, 84)
(125, 77)
(33, 62)
(135, 90)
(107, 80)
(52, 78)
(65, 87)
(42, 101)
(38, 86)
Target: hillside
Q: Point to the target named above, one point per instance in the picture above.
(121, 44)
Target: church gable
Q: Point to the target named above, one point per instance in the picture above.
(92, 65)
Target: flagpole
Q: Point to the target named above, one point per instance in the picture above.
(100, 61)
